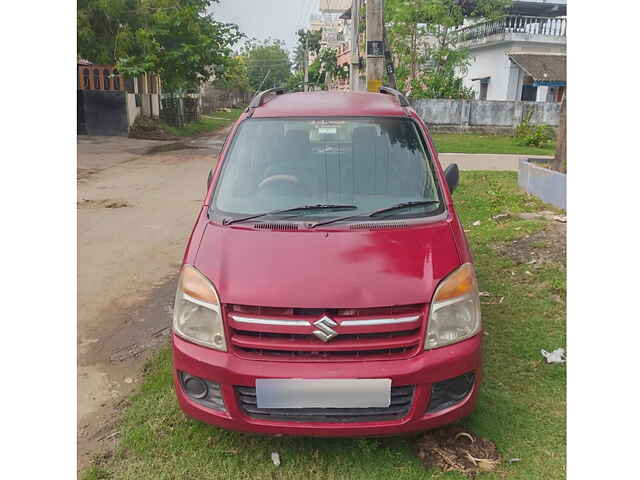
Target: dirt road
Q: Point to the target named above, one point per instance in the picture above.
(137, 202)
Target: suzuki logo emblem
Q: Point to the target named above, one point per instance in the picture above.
(325, 332)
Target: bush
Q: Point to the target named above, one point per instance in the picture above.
(533, 135)
(148, 128)
(437, 85)
(145, 123)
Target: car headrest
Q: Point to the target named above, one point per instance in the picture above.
(299, 137)
(271, 130)
(364, 134)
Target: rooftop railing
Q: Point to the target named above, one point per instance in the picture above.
(547, 26)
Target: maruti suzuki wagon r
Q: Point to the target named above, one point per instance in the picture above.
(327, 287)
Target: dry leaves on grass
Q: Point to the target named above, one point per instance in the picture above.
(497, 300)
(454, 448)
(107, 203)
(545, 246)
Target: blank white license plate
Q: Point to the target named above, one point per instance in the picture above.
(323, 393)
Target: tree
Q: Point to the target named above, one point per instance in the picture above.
(429, 63)
(235, 75)
(559, 163)
(295, 82)
(299, 53)
(176, 39)
(268, 64)
(98, 24)
(326, 66)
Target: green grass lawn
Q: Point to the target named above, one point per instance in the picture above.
(476, 143)
(207, 123)
(521, 405)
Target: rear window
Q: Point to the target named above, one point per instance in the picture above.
(371, 163)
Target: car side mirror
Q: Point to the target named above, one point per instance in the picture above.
(209, 179)
(452, 176)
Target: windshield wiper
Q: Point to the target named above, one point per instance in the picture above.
(373, 213)
(319, 206)
(400, 206)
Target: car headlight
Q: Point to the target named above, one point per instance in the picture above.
(454, 314)
(196, 313)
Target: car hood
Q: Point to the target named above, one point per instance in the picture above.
(326, 269)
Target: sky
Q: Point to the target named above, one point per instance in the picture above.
(279, 19)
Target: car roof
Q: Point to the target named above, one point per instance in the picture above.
(330, 104)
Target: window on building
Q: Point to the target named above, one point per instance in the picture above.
(116, 80)
(529, 92)
(106, 79)
(85, 79)
(96, 79)
(484, 88)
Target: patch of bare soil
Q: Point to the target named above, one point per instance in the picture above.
(133, 334)
(158, 134)
(127, 282)
(453, 448)
(169, 147)
(546, 246)
(84, 173)
(106, 203)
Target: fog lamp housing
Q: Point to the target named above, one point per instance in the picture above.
(206, 393)
(448, 393)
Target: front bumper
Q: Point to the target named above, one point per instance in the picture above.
(421, 371)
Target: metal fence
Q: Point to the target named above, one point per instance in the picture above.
(178, 110)
(548, 26)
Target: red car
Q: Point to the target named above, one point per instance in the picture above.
(327, 288)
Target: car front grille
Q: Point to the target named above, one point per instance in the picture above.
(401, 399)
(291, 334)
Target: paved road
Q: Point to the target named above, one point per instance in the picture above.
(482, 161)
(137, 203)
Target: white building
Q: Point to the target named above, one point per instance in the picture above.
(328, 20)
(521, 56)
(335, 32)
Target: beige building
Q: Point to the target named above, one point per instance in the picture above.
(334, 6)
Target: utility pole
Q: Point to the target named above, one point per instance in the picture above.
(388, 61)
(306, 62)
(375, 44)
(354, 73)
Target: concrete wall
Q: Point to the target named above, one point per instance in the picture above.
(146, 104)
(155, 106)
(483, 112)
(132, 110)
(439, 111)
(474, 115)
(548, 185)
(544, 113)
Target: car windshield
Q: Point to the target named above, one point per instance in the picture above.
(367, 163)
